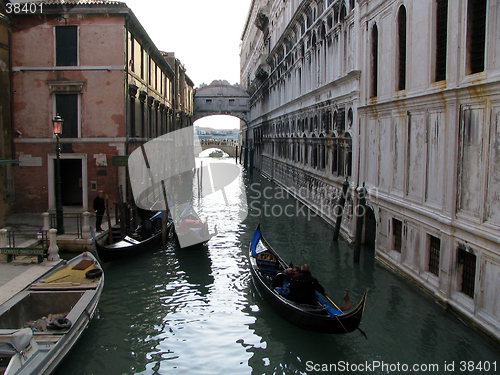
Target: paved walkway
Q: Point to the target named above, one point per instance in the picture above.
(23, 270)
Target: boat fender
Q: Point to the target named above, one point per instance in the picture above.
(94, 273)
(60, 323)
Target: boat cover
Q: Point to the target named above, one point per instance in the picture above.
(14, 340)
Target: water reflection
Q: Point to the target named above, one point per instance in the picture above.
(198, 312)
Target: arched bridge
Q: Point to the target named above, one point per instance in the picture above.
(227, 145)
(221, 98)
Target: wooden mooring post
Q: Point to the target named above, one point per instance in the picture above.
(340, 209)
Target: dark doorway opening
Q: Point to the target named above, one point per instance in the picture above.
(71, 182)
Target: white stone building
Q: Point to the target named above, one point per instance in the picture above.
(404, 96)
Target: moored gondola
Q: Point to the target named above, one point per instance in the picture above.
(265, 264)
(130, 246)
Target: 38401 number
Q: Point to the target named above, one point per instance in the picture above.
(19, 8)
(469, 366)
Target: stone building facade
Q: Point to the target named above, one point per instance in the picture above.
(402, 96)
(94, 65)
(6, 179)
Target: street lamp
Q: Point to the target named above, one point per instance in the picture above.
(57, 122)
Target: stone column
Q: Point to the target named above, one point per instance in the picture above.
(53, 248)
(86, 225)
(3, 242)
(3, 237)
(46, 221)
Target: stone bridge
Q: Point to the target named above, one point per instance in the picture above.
(221, 98)
(227, 145)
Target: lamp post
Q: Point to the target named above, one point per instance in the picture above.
(57, 122)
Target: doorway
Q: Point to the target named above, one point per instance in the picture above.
(73, 181)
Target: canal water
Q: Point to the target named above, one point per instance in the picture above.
(198, 312)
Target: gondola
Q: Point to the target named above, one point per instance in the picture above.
(138, 243)
(190, 231)
(265, 264)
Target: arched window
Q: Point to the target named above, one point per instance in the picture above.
(343, 12)
(374, 62)
(401, 48)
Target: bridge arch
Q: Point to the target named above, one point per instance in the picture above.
(221, 98)
(227, 145)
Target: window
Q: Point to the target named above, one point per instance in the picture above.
(434, 252)
(402, 48)
(67, 108)
(335, 156)
(441, 38)
(142, 62)
(231, 101)
(348, 155)
(397, 234)
(476, 35)
(132, 53)
(340, 121)
(66, 46)
(374, 62)
(467, 262)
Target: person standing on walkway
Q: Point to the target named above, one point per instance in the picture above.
(99, 208)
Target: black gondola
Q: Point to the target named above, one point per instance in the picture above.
(190, 231)
(265, 264)
(130, 245)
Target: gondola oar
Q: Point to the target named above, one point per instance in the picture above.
(338, 308)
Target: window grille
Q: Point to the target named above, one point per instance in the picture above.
(397, 232)
(468, 262)
(434, 253)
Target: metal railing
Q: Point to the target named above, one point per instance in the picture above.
(73, 223)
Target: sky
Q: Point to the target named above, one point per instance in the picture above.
(205, 36)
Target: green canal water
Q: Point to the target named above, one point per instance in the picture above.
(198, 312)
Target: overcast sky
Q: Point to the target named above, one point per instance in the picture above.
(205, 36)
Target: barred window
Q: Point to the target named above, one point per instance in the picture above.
(467, 261)
(397, 233)
(434, 253)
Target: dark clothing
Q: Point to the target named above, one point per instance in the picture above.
(303, 287)
(279, 279)
(99, 207)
